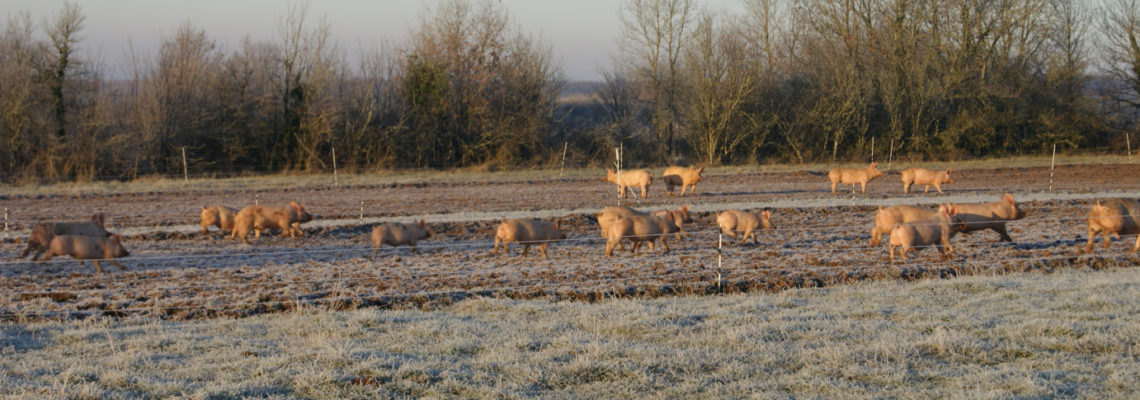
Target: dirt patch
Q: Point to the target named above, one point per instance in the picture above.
(176, 272)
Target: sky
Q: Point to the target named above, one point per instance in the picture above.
(582, 33)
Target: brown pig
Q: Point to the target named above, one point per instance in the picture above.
(41, 235)
(742, 223)
(887, 218)
(88, 248)
(396, 234)
(926, 177)
(683, 177)
(258, 218)
(850, 176)
(924, 233)
(991, 215)
(638, 229)
(629, 179)
(219, 216)
(526, 233)
(612, 213)
(1114, 217)
(680, 218)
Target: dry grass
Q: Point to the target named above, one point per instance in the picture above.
(1068, 334)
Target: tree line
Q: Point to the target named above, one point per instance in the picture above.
(776, 81)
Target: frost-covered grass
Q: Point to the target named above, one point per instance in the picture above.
(300, 180)
(1074, 333)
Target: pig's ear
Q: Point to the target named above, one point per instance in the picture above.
(203, 208)
(421, 222)
(947, 171)
(873, 164)
(699, 170)
(609, 170)
(767, 213)
(116, 238)
(685, 208)
(1008, 198)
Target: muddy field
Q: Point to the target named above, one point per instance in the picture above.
(176, 272)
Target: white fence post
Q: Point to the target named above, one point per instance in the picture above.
(334, 166)
(719, 259)
(1052, 165)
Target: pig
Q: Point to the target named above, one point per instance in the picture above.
(41, 235)
(396, 234)
(926, 177)
(1114, 217)
(923, 233)
(638, 229)
(219, 216)
(88, 248)
(627, 179)
(734, 222)
(526, 233)
(609, 214)
(991, 215)
(288, 219)
(680, 218)
(887, 218)
(683, 177)
(849, 176)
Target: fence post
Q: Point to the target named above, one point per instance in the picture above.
(891, 157)
(256, 198)
(334, 165)
(719, 260)
(1128, 142)
(565, 146)
(185, 169)
(872, 149)
(362, 211)
(5, 222)
(1052, 165)
(617, 165)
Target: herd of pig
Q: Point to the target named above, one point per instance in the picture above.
(909, 227)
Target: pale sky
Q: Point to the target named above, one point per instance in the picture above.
(583, 33)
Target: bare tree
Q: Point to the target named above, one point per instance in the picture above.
(18, 53)
(653, 32)
(721, 79)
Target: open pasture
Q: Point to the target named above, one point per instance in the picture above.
(175, 272)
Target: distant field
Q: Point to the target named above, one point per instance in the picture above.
(300, 180)
(1069, 334)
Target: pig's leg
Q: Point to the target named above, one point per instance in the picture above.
(1092, 237)
(906, 187)
(927, 190)
(833, 185)
(98, 268)
(414, 249)
(543, 248)
(526, 248)
(876, 236)
(644, 192)
(636, 244)
(863, 186)
(1137, 246)
(1000, 229)
(939, 187)
(116, 263)
(609, 247)
(664, 243)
